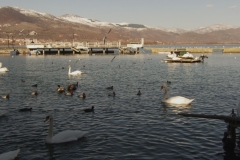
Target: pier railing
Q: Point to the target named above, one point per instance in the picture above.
(113, 44)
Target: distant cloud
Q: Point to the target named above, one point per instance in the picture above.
(209, 6)
(232, 7)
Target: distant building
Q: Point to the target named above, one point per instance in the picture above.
(6, 25)
(32, 33)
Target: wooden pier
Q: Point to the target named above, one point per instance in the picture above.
(84, 47)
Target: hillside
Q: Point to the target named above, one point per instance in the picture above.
(69, 27)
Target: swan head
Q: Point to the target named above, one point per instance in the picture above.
(69, 66)
(164, 86)
(48, 118)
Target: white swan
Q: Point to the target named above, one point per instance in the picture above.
(178, 100)
(77, 72)
(11, 155)
(4, 69)
(64, 136)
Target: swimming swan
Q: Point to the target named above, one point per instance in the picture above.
(175, 100)
(9, 155)
(64, 136)
(77, 72)
(4, 69)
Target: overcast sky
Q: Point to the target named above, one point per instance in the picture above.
(186, 14)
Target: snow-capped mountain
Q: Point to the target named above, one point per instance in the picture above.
(47, 26)
(33, 13)
(97, 23)
(174, 30)
(215, 27)
(86, 21)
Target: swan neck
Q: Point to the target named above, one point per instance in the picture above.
(50, 131)
(69, 71)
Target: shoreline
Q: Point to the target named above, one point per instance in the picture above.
(197, 50)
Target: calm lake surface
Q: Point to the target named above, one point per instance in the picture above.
(123, 127)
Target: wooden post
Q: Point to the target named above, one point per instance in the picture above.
(104, 50)
(58, 51)
(43, 52)
(73, 52)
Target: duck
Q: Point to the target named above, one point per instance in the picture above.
(72, 86)
(35, 93)
(109, 87)
(168, 82)
(139, 93)
(35, 85)
(77, 72)
(64, 136)
(22, 80)
(70, 93)
(4, 69)
(25, 109)
(9, 155)
(60, 89)
(7, 96)
(89, 109)
(83, 95)
(178, 100)
(112, 94)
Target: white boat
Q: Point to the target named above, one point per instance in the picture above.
(171, 55)
(188, 55)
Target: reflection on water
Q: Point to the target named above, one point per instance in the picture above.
(126, 126)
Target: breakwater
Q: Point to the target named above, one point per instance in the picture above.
(197, 50)
(4, 51)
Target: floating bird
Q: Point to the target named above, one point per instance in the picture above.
(178, 100)
(72, 86)
(22, 80)
(64, 136)
(35, 85)
(4, 69)
(9, 155)
(62, 67)
(168, 82)
(83, 95)
(112, 94)
(70, 93)
(89, 109)
(25, 109)
(77, 72)
(35, 93)
(6, 96)
(139, 93)
(60, 89)
(109, 87)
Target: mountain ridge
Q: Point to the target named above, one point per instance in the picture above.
(67, 26)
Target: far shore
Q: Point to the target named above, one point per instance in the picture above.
(197, 50)
(23, 51)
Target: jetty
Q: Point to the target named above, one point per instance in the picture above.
(85, 47)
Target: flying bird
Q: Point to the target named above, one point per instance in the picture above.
(105, 37)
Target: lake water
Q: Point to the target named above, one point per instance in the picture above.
(123, 127)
